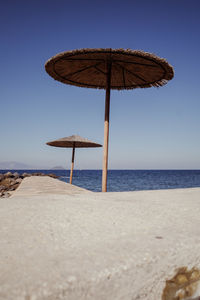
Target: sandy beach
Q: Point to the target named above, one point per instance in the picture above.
(62, 242)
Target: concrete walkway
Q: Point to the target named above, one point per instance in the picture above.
(99, 246)
(43, 185)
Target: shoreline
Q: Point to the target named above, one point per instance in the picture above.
(129, 180)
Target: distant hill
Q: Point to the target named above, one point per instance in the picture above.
(57, 168)
(13, 165)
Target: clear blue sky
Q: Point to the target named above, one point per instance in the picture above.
(154, 128)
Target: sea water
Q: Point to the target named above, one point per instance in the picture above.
(127, 180)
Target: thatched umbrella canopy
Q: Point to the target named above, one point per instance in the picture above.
(74, 141)
(109, 69)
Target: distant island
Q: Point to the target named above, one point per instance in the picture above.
(57, 168)
(13, 165)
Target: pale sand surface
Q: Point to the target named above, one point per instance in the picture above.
(82, 245)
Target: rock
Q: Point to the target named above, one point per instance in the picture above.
(6, 182)
(18, 180)
(14, 187)
(16, 175)
(5, 195)
(8, 174)
(1, 177)
(52, 175)
(25, 175)
(9, 184)
(12, 182)
(2, 188)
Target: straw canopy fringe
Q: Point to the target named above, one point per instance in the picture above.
(130, 69)
(74, 141)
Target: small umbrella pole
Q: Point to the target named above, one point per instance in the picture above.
(72, 164)
(106, 129)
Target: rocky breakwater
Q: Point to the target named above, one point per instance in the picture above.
(9, 182)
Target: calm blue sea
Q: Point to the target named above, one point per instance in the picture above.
(127, 180)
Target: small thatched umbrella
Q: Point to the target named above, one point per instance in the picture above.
(74, 141)
(109, 69)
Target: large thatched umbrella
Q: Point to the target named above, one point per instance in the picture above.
(74, 141)
(109, 69)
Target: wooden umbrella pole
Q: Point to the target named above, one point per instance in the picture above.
(106, 128)
(72, 165)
